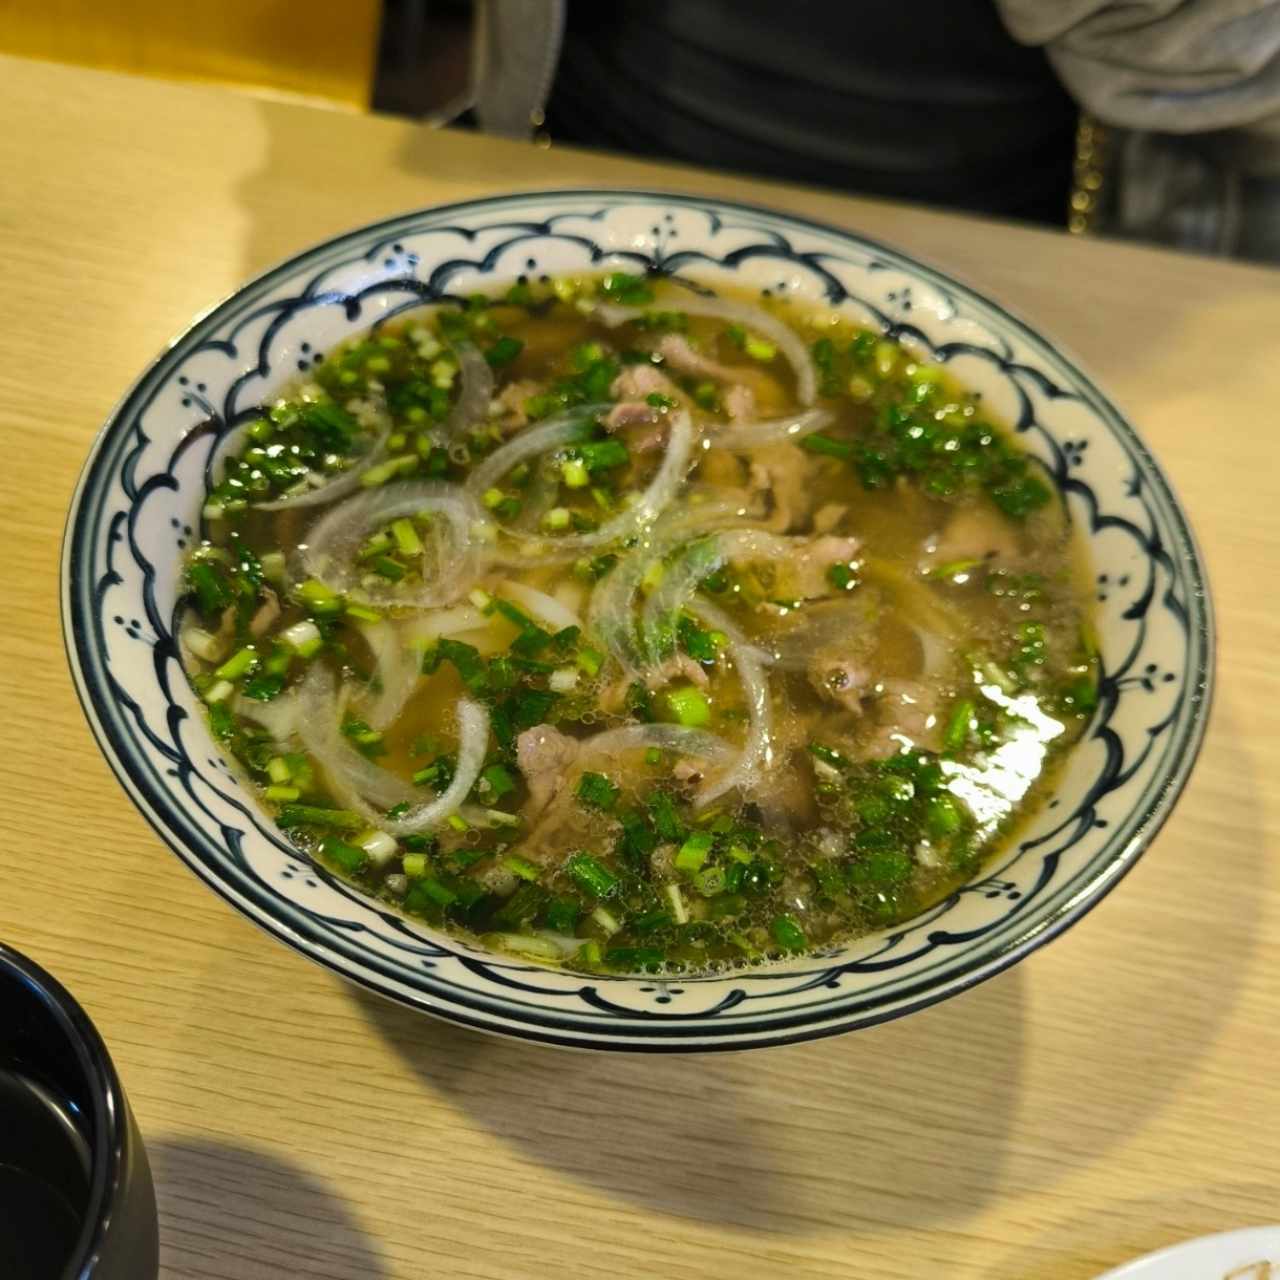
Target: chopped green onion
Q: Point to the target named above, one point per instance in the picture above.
(279, 793)
(602, 455)
(504, 351)
(662, 812)
(437, 891)
(606, 921)
(406, 536)
(825, 445)
(562, 914)
(319, 598)
(958, 726)
(635, 958)
(496, 781)
(278, 770)
(376, 545)
(380, 847)
(202, 644)
(575, 474)
(521, 867)
(694, 852)
(415, 865)
(842, 576)
(596, 791)
(678, 909)
(349, 857)
(303, 638)
(219, 691)
(591, 875)
(788, 934)
(385, 567)
(273, 567)
(689, 705)
(710, 881)
(362, 613)
(238, 664)
(944, 815)
(307, 815)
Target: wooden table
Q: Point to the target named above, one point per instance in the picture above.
(1117, 1092)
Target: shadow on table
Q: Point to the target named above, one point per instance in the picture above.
(252, 1215)
(795, 1140)
(864, 1127)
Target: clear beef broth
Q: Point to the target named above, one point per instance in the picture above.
(634, 660)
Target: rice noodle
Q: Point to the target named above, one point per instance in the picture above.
(475, 390)
(336, 487)
(789, 428)
(788, 342)
(332, 545)
(543, 607)
(397, 668)
(757, 749)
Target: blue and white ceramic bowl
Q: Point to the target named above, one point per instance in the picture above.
(137, 507)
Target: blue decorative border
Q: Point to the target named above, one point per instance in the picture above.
(123, 730)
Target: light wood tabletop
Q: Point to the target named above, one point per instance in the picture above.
(1116, 1092)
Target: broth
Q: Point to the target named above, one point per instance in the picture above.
(638, 629)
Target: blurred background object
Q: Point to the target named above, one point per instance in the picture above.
(1155, 120)
(325, 49)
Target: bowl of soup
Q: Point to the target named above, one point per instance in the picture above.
(633, 621)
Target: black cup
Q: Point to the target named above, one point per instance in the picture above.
(76, 1200)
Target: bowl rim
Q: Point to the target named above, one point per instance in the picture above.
(1200, 679)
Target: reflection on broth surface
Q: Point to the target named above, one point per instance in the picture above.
(635, 629)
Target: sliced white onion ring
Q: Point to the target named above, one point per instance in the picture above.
(703, 556)
(758, 321)
(356, 782)
(652, 501)
(473, 742)
(475, 390)
(334, 541)
(757, 750)
(609, 615)
(397, 667)
(370, 790)
(564, 428)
